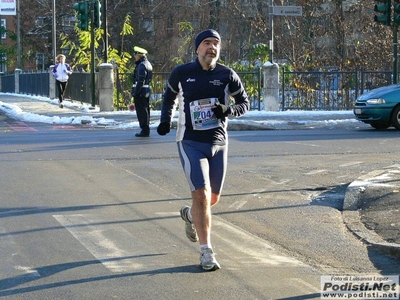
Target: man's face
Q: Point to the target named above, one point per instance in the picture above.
(137, 56)
(208, 50)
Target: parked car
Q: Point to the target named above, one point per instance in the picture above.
(379, 107)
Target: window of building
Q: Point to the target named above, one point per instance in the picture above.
(148, 25)
(3, 29)
(223, 3)
(196, 24)
(3, 63)
(170, 24)
(41, 61)
(192, 3)
(146, 2)
(39, 22)
(68, 21)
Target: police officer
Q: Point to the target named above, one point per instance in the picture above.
(141, 90)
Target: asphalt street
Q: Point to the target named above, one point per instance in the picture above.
(371, 205)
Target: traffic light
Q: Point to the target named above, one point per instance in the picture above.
(396, 18)
(97, 14)
(82, 9)
(384, 8)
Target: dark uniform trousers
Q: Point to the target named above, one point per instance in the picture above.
(142, 106)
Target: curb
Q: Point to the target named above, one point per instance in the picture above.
(351, 214)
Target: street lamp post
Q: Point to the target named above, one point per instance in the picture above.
(54, 41)
(18, 36)
(105, 28)
(271, 31)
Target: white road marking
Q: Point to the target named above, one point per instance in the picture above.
(167, 213)
(304, 144)
(316, 172)
(120, 251)
(284, 181)
(28, 270)
(299, 283)
(100, 240)
(253, 249)
(115, 247)
(238, 204)
(351, 164)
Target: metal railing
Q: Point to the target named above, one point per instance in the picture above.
(79, 87)
(37, 83)
(251, 80)
(8, 83)
(335, 90)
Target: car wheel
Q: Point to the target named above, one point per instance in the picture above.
(380, 125)
(396, 117)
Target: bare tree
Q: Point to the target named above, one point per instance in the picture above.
(329, 34)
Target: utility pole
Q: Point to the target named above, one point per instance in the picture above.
(271, 30)
(18, 36)
(105, 29)
(54, 29)
(395, 58)
(89, 11)
(396, 23)
(92, 51)
(384, 8)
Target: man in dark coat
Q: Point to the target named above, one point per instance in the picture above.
(141, 90)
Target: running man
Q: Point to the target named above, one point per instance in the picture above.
(203, 89)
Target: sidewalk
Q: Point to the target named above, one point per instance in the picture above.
(43, 110)
(371, 207)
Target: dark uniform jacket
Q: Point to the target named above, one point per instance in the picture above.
(141, 78)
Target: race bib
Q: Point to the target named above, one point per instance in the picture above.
(202, 116)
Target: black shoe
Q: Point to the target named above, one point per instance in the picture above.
(141, 134)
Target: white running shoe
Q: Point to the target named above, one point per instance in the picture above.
(208, 261)
(189, 227)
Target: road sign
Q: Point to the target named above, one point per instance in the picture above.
(294, 11)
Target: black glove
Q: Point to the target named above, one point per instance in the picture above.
(221, 111)
(163, 128)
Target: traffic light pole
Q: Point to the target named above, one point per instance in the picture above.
(271, 30)
(384, 7)
(395, 58)
(105, 28)
(89, 11)
(92, 52)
